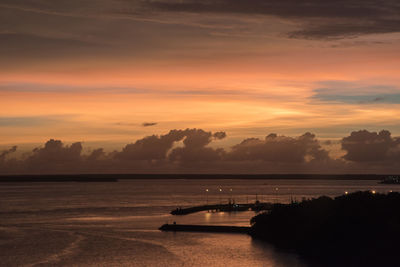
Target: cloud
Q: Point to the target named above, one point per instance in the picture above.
(97, 154)
(359, 99)
(276, 148)
(54, 157)
(314, 19)
(71, 8)
(365, 146)
(318, 20)
(3, 154)
(356, 93)
(151, 147)
(54, 87)
(328, 142)
(353, 27)
(153, 153)
(195, 147)
(40, 46)
(157, 147)
(219, 135)
(365, 152)
(22, 121)
(54, 151)
(147, 124)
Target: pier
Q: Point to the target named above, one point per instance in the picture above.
(204, 228)
(257, 206)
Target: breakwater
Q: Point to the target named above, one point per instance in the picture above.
(204, 228)
(257, 206)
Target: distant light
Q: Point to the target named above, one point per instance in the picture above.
(220, 190)
(373, 192)
(230, 189)
(277, 189)
(390, 191)
(207, 190)
(346, 192)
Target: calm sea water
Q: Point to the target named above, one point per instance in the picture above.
(115, 224)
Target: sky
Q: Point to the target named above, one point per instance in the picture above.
(109, 72)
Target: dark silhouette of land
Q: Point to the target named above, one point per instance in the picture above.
(358, 229)
(57, 178)
(116, 177)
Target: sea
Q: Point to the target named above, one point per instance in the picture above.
(116, 223)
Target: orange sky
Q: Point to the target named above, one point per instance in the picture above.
(79, 74)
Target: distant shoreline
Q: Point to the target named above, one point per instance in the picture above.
(116, 177)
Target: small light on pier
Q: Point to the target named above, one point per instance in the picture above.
(220, 190)
(346, 192)
(373, 192)
(276, 188)
(207, 190)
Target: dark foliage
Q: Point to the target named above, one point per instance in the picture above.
(359, 229)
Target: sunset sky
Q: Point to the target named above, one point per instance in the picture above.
(113, 71)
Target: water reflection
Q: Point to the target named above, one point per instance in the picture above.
(116, 224)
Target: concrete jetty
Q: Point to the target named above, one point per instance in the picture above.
(257, 206)
(204, 228)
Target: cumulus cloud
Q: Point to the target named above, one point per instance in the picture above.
(151, 147)
(365, 152)
(53, 157)
(3, 154)
(276, 148)
(56, 151)
(327, 142)
(157, 147)
(195, 149)
(365, 146)
(96, 154)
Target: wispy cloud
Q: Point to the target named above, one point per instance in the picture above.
(148, 124)
(317, 19)
(359, 99)
(48, 87)
(356, 93)
(26, 121)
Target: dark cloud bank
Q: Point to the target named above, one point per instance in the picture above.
(316, 19)
(188, 151)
